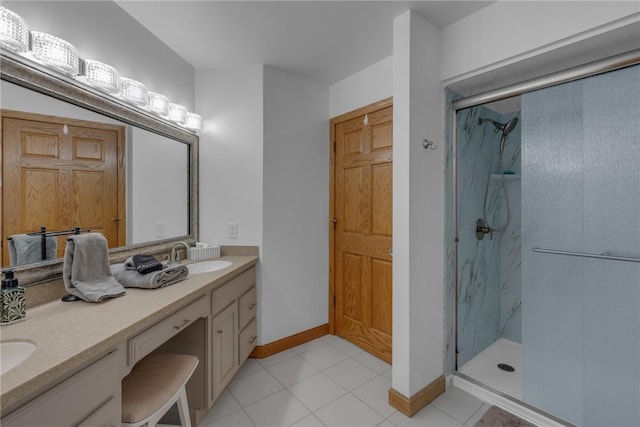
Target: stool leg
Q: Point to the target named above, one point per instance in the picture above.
(183, 408)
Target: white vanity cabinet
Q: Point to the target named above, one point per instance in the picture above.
(233, 328)
(92, 397)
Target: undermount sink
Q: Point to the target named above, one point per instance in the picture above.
(12, 353)
(207, 266)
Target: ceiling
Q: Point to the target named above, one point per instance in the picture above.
(325, 41)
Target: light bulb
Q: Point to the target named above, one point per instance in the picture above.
(158, 103)
(194, 122)
(55, 52)
(14, 32)
(101, 75)
(177, 113)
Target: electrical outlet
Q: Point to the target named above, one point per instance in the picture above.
(232, 230)
(160, 229)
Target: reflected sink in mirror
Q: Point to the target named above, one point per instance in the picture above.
(207, 266)
(12, 353)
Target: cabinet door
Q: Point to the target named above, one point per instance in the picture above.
(75, 399)
(225, 348)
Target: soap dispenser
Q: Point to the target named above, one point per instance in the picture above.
(12, 299)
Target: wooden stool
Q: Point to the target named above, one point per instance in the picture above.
(153, 386)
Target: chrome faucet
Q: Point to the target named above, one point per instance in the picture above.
(173, 258)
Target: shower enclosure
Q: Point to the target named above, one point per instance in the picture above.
(545, 207)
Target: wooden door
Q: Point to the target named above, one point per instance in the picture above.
(62, 173)
(362, 194)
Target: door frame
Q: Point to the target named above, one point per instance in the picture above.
(333, 122)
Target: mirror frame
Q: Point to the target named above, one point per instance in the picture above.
(25, 73)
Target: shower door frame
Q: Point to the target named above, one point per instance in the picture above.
(613, 63)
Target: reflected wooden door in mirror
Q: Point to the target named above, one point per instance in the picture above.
(62, 173)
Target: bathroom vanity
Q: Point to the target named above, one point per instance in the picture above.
(83, 350)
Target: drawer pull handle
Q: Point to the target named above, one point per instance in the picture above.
(219, 331)
(252, 340)
(253, 306)
(185, 323)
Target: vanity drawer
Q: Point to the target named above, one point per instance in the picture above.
(247, 340)
(158, 334)
(231, 291)
(74, 400)
(248, 305)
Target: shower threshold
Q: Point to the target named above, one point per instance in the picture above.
(484, 367)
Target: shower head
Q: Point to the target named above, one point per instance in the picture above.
(506, 128)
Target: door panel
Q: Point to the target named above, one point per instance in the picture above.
(362, 238)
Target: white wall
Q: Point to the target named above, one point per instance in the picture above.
(264, 164)
(102, 30)
(295, 251)
(363, 88)
(418, 205)
(230, 101)
(512, 31)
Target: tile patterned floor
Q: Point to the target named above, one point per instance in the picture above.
(328, 382)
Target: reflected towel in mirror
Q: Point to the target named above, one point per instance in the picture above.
(25, 249)
(86, 271)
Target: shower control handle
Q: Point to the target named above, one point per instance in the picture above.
(482, 229)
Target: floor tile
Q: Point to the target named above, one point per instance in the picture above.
(349, 411)
(308, 346)
(249, 367)
(324, 356)
(292, 370)
(429, 416)
(328, 339)
(471, 422)
(309, 421)
(375, 393)
(316, 391)
(457, 403)
(346, 347)
(388, 374)
(225, 405)
(253, 387)
(372, 362)
(237, 419)
(277, 358)
(278, 410)
(386, 423)
(350, 374)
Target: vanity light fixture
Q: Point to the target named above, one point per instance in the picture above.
(14, 32)
(100, 75)
(55, 52)
(158, 103)
(134, 92)
(177, 113)
(62, 56)
(194, 122)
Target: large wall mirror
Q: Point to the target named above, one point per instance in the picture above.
(73, 157)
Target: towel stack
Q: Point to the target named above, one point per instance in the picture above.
(130, 276)
(86, 272)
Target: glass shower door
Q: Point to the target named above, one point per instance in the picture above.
(581, 194)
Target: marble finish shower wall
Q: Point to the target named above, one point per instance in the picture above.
(510, 243)
(488, 270)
